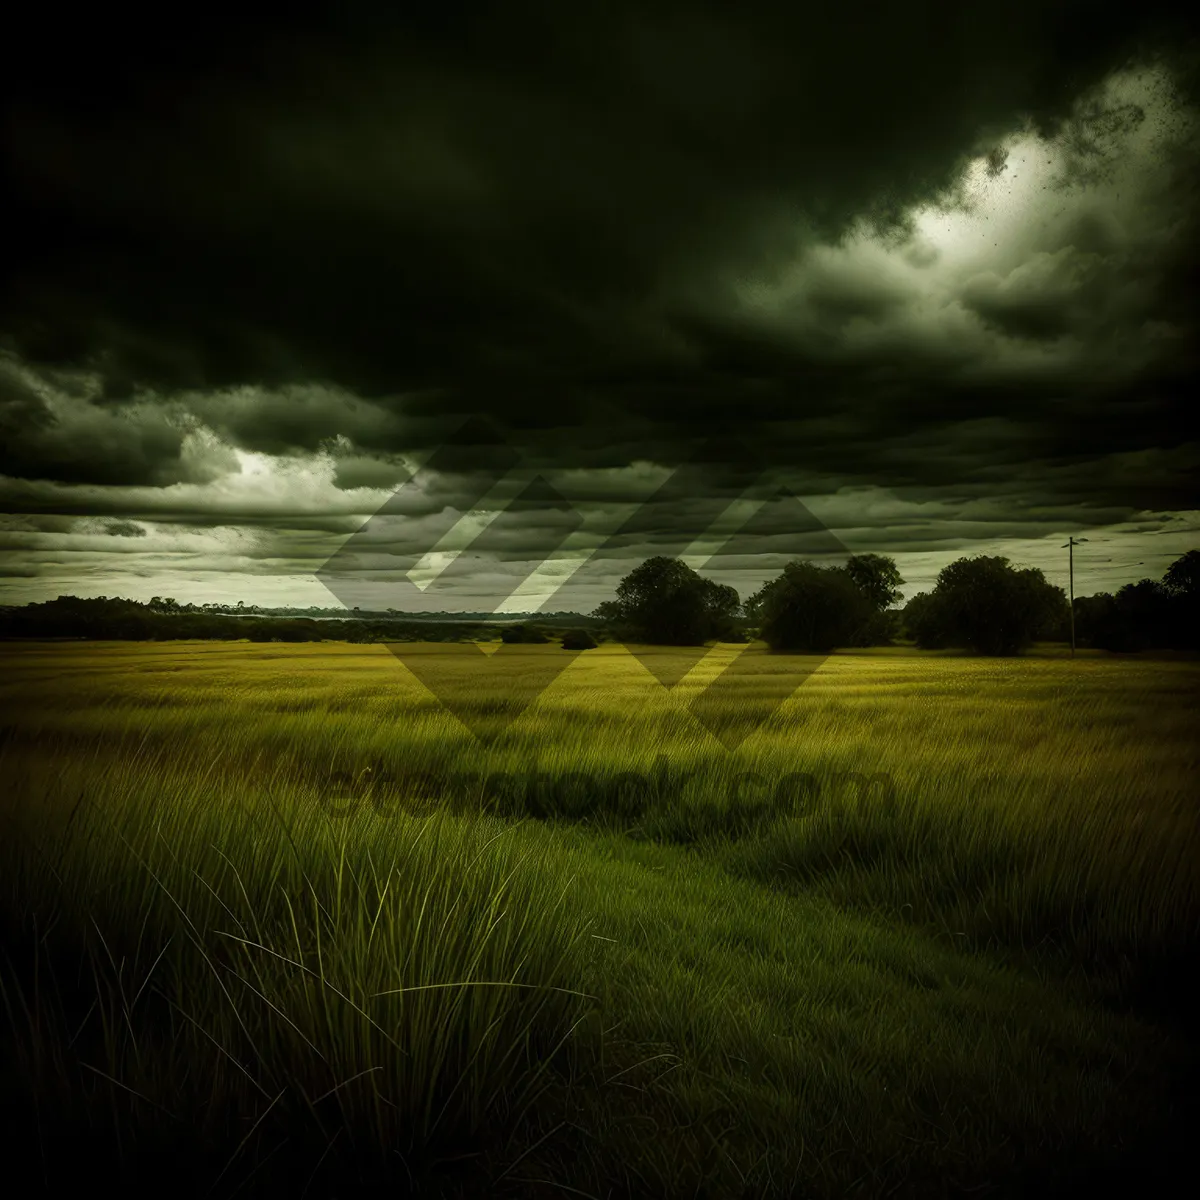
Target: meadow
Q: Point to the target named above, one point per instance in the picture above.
(252, 944)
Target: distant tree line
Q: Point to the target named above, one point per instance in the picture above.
(989, 606)
(982, 604)
(1151, 614)
(106, 618)
(806, 609)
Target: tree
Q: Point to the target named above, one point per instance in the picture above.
(1182, 577)
(609, 613)
(1144, 616)
(986, 605)
(877, 577)
(810, 609)
(664, 602)
(1097, 622)
(879, 580)
(722, 605)
(1149, 614)
(922, 621)
(1182, 584)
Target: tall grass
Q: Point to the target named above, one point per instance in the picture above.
(240, 956)
(259, 917)
(1037, 804)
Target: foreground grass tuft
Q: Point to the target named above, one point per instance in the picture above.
(215, 966)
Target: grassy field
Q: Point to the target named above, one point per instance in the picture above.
(270, 922)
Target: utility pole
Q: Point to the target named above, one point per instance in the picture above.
(1072, 542)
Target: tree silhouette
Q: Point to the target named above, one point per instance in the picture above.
(877, 577)
(986, 605)
(578, 639)
(810, 609)
(664, 602)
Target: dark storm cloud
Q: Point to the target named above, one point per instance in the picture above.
(520, 204)
(299, 418)
(65, 436)
(1030, 303)
(358, 471)
(124, 529)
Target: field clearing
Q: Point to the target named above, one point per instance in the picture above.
(713, 992)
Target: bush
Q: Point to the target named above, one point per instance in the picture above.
(523, 635)
(578, 639)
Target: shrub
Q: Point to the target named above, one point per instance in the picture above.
(523, 634)
(578, 639)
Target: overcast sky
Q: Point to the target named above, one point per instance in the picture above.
(930, 268)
